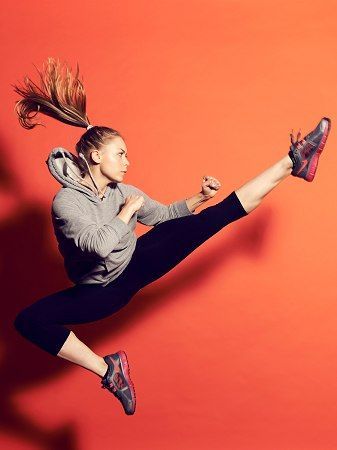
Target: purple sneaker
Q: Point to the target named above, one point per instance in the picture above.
(117, 380)
(305, 153)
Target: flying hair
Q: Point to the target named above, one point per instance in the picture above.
(60, 94)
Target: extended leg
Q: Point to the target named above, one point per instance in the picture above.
(167, 244)
(302, 163)
(253, 191)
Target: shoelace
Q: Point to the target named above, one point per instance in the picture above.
(300, 143)
(120, 394)
(122, 385)
(110, 388)
(118, 383)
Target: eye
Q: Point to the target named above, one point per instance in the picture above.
(121, 154)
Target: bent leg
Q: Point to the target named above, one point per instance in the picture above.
(43, 322)
(76, 351)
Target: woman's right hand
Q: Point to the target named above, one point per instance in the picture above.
(133, 202)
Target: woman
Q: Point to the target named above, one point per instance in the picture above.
(94, 215)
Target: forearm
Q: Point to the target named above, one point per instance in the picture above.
(196, 201)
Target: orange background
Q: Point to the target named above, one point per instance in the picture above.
(236, 347)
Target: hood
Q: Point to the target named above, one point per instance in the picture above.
(64, 167)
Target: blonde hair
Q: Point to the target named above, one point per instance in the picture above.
(61, 95)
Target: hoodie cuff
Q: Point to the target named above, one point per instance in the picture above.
(182, 208)
(119, 226)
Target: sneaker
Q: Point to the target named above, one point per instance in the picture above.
(117, 380)
(305, 153)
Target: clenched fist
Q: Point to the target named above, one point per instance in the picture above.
(134, 202)
(210, 186)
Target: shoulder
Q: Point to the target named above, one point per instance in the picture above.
(64, 193)
(128, 189)
(63, 198)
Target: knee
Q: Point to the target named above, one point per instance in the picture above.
(24, 322)
(247, 205)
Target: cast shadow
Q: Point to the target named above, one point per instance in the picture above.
(30, 270)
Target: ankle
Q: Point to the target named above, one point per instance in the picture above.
(290, 159)
(289, 164)
(102, 368)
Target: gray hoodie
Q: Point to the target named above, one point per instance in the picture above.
(96, 244)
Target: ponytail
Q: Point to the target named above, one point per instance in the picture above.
(61, 95)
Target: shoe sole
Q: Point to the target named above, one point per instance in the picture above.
(314, 160)
(126, 373)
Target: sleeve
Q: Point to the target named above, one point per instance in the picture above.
(154, 212)
(70, 220)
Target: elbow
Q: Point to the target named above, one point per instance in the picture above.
(98, 252)
(98, 243)
(96, 249)
(102, 253)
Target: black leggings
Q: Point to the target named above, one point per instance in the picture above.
(157, 252)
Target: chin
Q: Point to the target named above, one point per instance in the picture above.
(116, 179)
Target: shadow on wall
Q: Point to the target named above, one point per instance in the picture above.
(30, 271)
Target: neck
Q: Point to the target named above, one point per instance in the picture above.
(101, 186)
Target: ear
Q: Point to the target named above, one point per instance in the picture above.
(95, 156)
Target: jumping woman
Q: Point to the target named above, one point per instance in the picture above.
(94, 215)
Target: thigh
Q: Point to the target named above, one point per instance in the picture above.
(167, 244)
(156, 253)
(81, 303)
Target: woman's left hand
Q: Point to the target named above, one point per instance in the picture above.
(210, 186)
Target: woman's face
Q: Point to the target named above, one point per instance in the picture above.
(114, 162)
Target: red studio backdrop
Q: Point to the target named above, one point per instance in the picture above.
(236, 347)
